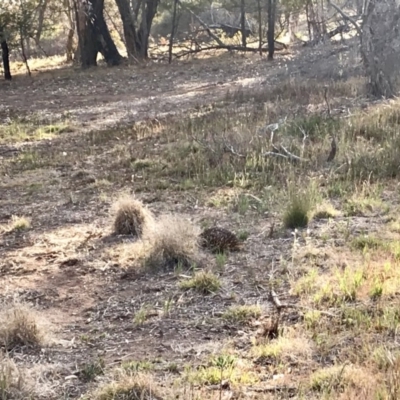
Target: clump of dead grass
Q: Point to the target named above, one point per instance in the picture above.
(131, 217)
(325, 210)
(283, 348)
(17, 224)
(174, 242)
(12, 384)
(127, 387)
(338, 378)
(20, 326)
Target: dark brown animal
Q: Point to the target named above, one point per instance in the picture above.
(219, 240)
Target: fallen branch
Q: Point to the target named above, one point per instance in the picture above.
(202, 23)
(292, 156)
(203, 145)
(270, 388)
(223, 47)
(346, 17)
(229, 148)
(273, 297)
(273, 153)
(284, 153)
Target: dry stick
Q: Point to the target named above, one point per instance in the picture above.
(222, 47)
(273, 297)
(292, 156)
(327, 100)
(229, 148)
(271, 388)
(259, 27)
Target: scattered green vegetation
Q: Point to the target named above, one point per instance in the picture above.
(134, 367)
(139, 386)
(242, 314)
(342, 273)
(91, 370)
(20, 131)
(204, 282)
(141, 316)
(220, 260)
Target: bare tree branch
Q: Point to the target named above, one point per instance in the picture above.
(345, 16)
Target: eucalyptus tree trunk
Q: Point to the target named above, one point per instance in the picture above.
(271, 28)
(380, 46)
(6, 59)
(243, 22)
(128, 24)
(94, 36)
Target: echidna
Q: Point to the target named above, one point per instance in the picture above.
(219, 240)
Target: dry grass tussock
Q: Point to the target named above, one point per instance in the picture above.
(131, 217)
(127, 387)
(174, 242)
(21, 326)
(12, 384)
(17, 224)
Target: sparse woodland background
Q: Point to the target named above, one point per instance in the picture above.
(158, 29)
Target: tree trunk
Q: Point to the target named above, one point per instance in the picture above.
(6, 59)
(149, 12)
(173, 29)
(313, 22)
(144, 32)
(94, 36)
(292, 21)
(271, 29)
(260, 30)
(243, 22)
(128, 24)
(88, 47)
(69, 47)
(379, 46)
(41, 12)
(359, 6)
(106, 45)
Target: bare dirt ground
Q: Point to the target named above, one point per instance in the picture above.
(86, 286)
(109, 98)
